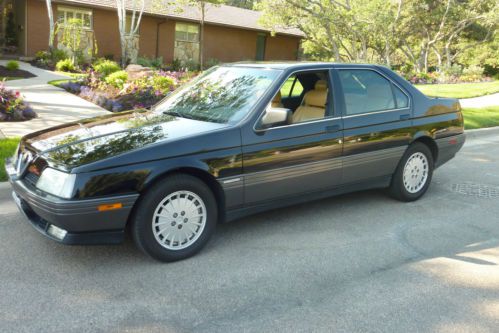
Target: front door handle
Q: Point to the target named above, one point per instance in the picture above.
(333, 128)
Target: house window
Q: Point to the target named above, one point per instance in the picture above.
(64, 14)
(186, 42)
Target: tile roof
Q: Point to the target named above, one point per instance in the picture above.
(220, 15)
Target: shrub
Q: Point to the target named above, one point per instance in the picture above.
(12, 65)
(150, 62)
(117, 79)
(162, 83)
(454, 70)
(65, 65)
(106, 67)
(42, 55)
(58, 55)
(472, 74)
(211, 62)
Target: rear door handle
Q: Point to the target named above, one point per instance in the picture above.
(405, 117)
(333, 128)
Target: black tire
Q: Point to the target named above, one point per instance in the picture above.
(142, 219)
(397, 188)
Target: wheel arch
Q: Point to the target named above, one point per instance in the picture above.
(204, 176)
(427, 140)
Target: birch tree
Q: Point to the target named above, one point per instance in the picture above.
(129, 38)
(50, 13)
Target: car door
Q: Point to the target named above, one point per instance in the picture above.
(293, 159)
(376, 115)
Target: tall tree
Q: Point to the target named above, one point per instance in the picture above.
(247, 4)
(129, 32)
(50, 14)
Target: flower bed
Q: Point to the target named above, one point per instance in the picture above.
(115, 92)
(453, 74)
(12, 106)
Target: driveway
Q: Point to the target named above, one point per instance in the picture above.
(54, 105)
(357, 263)
(480, 102)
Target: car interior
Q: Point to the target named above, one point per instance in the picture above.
(305, 94)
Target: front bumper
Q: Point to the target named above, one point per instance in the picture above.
(83, 222)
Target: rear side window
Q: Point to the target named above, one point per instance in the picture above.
(368, 91)
(401, 98)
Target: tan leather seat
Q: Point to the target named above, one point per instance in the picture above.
(276, 102)
(314, 106)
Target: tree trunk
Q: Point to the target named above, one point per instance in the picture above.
(201, 36)
(50, 13)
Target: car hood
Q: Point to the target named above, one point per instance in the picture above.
(94, 139)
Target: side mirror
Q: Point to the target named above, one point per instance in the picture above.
(275, 117)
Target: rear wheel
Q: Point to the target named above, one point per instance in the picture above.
(175, 218)
(413, 174)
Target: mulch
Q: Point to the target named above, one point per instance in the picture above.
(4, 72)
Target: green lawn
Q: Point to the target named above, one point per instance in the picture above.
(7, 148)
(481, 117)
(57, 83)
(459, 90)
(73, 75)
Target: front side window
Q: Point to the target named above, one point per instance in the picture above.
(221, 95)
(367, 91)
(186, 42)
(292, 87)
(64, 14)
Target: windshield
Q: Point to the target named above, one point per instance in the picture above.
(221, 95)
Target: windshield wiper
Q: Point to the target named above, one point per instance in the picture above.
(178, 114)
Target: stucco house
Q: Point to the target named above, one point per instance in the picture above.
(230, 33)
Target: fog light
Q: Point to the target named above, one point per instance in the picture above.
(57, 232)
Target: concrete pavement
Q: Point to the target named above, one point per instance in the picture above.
(356, 263)
(480, 102)
(54, 106)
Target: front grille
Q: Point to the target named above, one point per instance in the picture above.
(31, 178)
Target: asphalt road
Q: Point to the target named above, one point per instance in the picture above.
(356, 263)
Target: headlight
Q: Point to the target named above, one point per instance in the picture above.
(56, 182)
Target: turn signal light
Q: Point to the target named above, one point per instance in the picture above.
(113, 206)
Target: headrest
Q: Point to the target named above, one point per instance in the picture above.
(316, 98)
(321, 85)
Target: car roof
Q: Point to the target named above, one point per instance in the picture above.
(282, 65)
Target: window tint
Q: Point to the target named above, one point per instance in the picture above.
(366, 91)
(401, 98)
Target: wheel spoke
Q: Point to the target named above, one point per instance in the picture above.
(180, 230)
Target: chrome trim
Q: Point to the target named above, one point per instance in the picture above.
(374, 112)
(230, 181)
(296, 124)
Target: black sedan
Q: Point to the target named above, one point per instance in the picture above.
(239, 139)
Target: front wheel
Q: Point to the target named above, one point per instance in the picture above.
(175, 218)
(413, 174)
